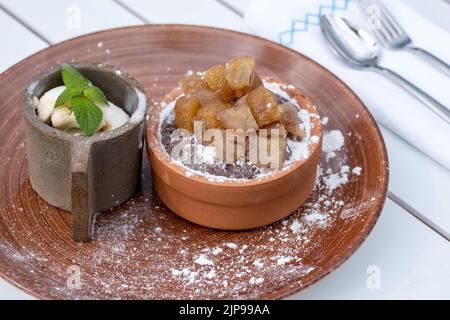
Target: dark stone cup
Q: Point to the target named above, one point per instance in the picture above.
(86, 174)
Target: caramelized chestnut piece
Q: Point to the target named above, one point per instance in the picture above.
(264, 106)
(238, 117)
(193, 84)
(239, 73)
(186, 109)
(215, 78)
(208, 114)
(291, 120)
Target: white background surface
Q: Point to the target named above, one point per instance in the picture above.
(412, 260)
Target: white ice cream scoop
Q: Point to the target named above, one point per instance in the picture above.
(114, 117)
(46, 105)
(63, 118)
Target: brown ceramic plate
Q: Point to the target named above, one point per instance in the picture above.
(141, 249)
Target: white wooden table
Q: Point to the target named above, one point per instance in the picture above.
(402, 258)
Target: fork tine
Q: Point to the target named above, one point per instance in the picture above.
(380, 30)
(395, 26)
(387, 29)
(382, 35)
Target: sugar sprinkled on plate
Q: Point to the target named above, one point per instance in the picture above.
(318, 218)
(254, 280)
(258, 263)
(203, 260)
(211, 274)
(295, 226)
(283, 260)
(231, 245)
(333, 141)
(216, 251)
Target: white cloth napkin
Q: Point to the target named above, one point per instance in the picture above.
(391, 105)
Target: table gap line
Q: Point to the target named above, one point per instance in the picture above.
(25, 25)
(419, 216)
(231, 8)
(410, 144)
(132, 11)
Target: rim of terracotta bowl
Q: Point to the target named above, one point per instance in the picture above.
(154, 145)
(141, 107)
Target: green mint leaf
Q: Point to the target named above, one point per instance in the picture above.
(73, 78)
(66, 96)
(96, 95)
(88, 115)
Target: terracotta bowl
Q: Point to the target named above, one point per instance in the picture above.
(231, 204)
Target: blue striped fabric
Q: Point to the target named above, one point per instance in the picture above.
(287, 37)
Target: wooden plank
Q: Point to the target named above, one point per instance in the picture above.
(418, 180)
(9, 292)
(239, 5)
(17, 42)
(412, 262)
(437, 11)
(64, 19)
(201, 12)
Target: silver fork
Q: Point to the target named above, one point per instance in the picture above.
(392, 35)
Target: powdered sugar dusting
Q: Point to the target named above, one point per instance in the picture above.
(335, 180)
(318, 218)
(258, 263)
(254, 280)
(295, 226)
(231, 245)
(333, 141)
(203, 260)
(283, 260)
(357, 171)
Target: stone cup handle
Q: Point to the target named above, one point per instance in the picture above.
(82, 191)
